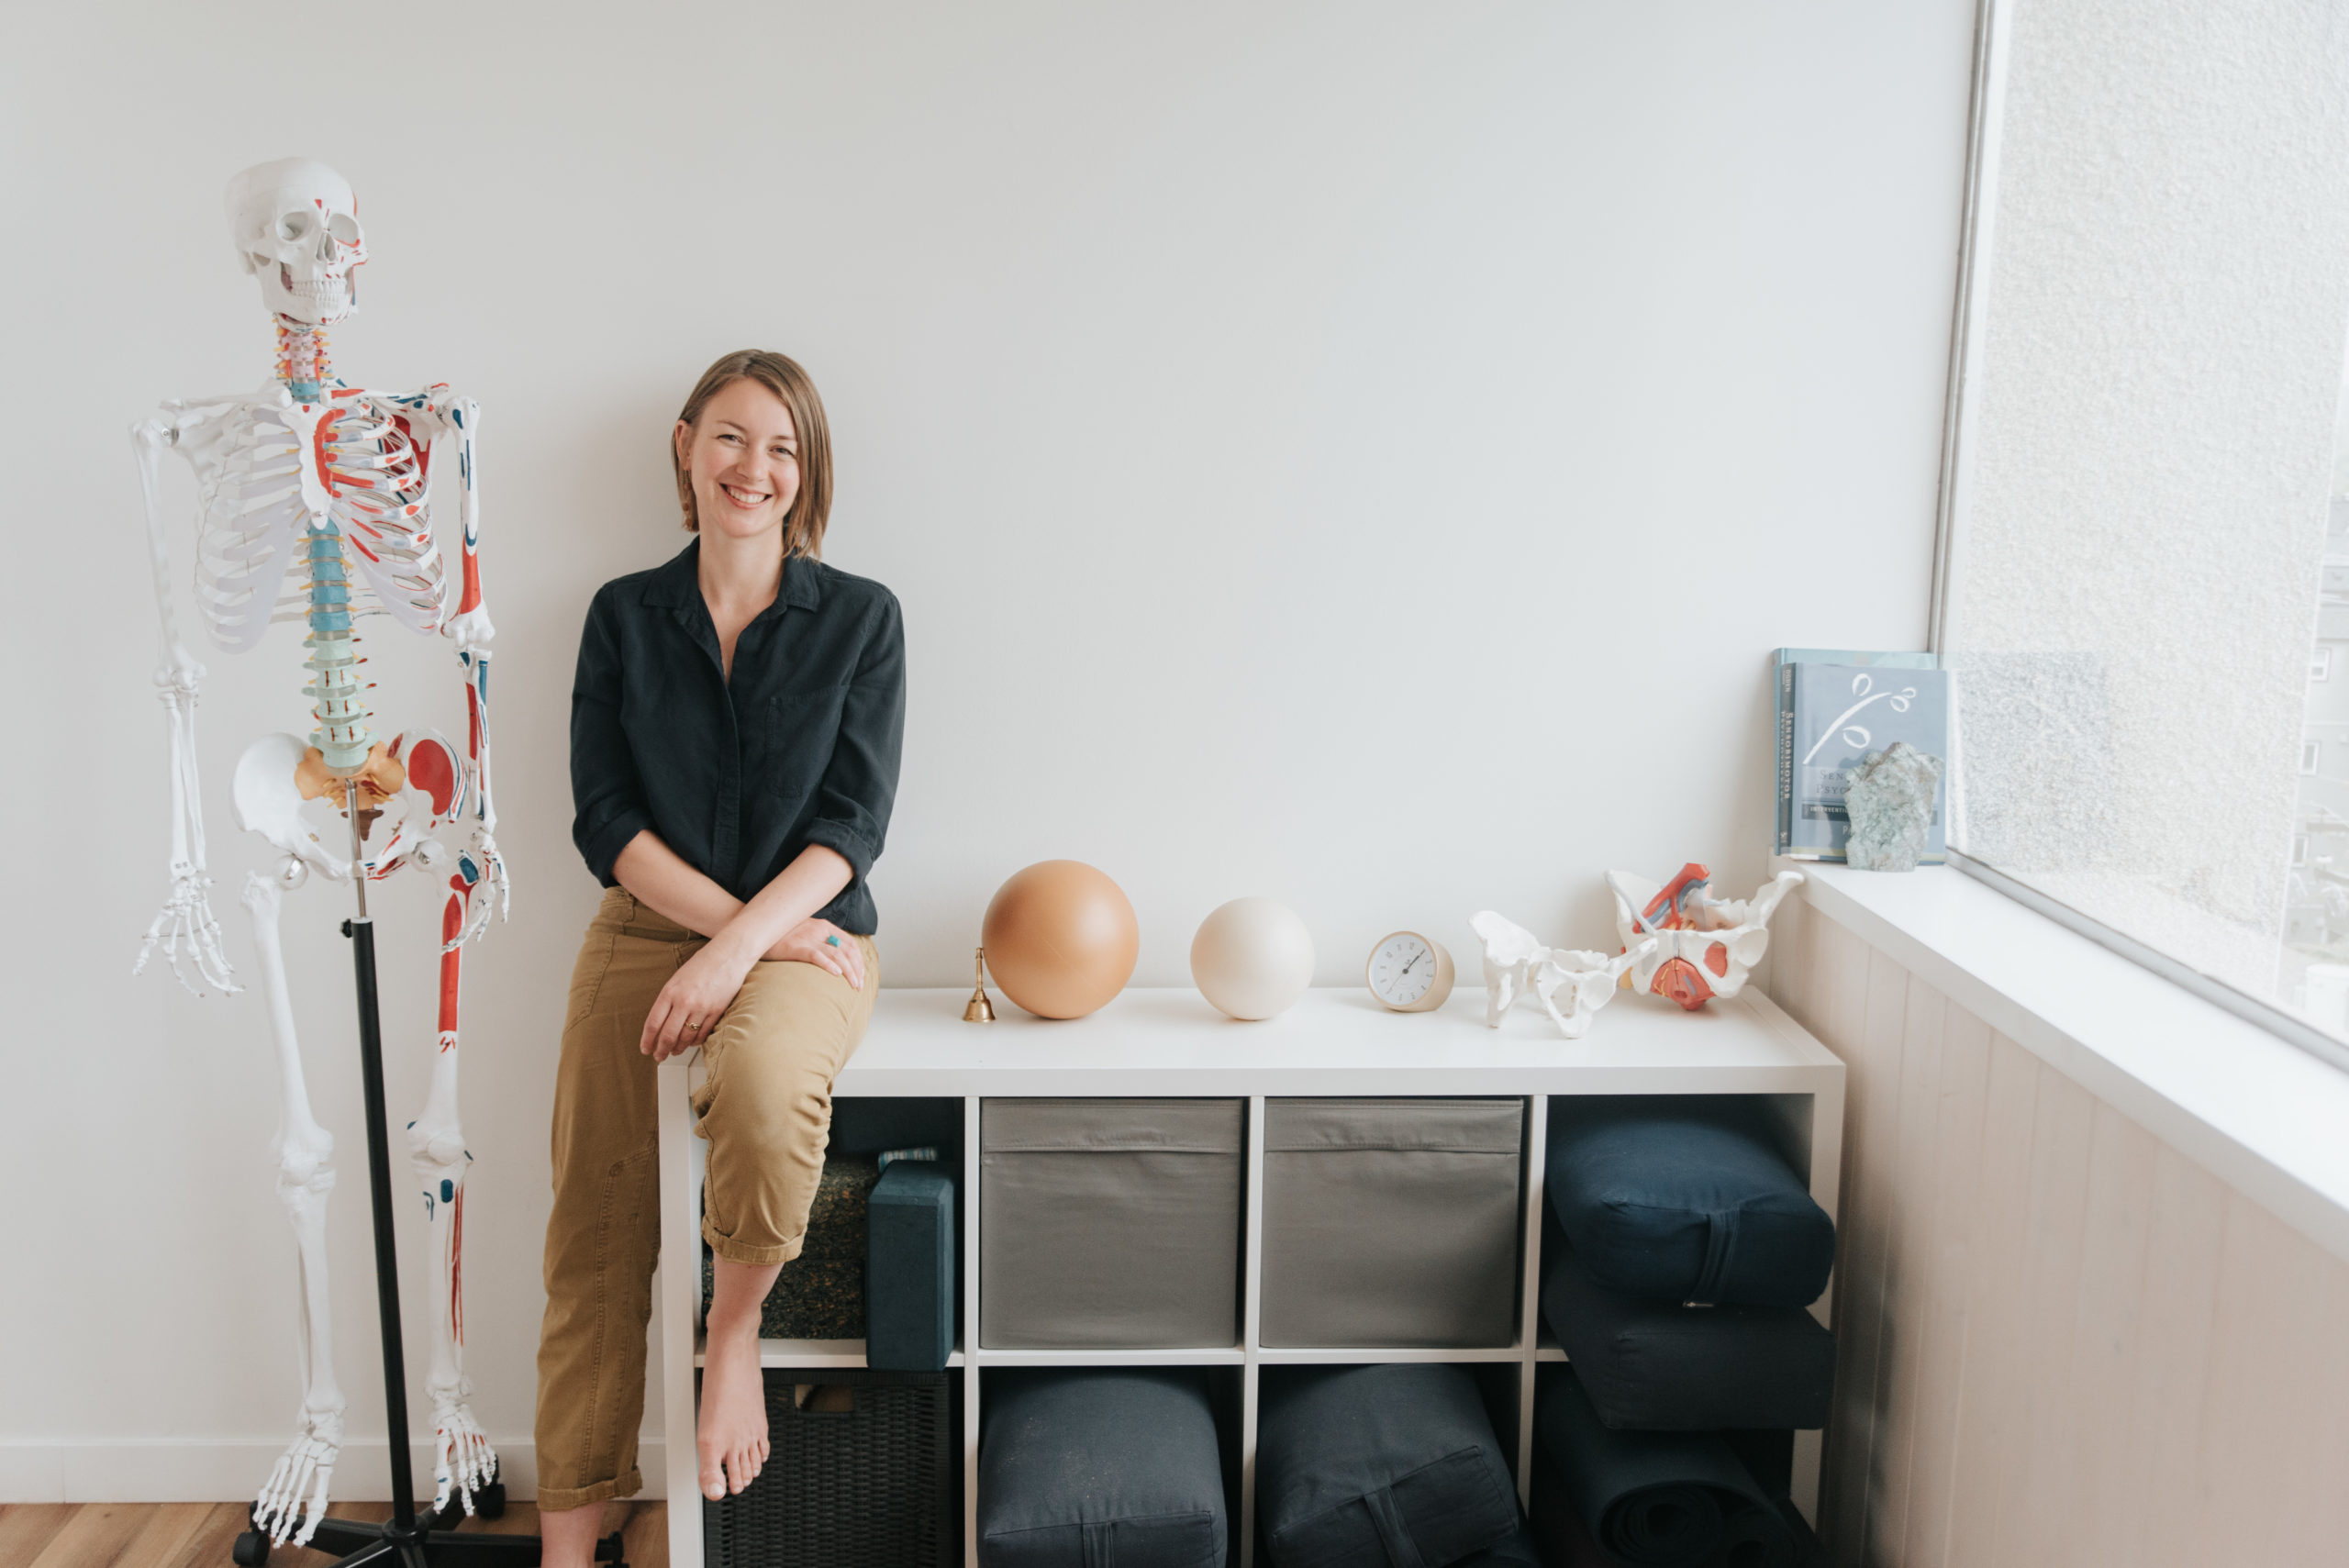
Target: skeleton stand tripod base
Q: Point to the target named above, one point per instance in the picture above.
(409, 1538)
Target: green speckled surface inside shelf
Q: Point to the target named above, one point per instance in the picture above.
(819, 1295)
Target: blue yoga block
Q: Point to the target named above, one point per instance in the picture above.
(909, 1268)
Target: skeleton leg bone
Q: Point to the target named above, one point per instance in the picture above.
(462, 1460)
(305, 1178)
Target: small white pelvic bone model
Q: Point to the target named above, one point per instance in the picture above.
(1516, 962)
(1702, 947)
(316, 502)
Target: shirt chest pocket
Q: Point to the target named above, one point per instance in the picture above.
(799, 728)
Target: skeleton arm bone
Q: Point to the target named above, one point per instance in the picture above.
(185, 920)
(440, 415)
(441, 419)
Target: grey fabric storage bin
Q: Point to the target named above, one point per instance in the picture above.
(1109, 1224)
(1391, 1223)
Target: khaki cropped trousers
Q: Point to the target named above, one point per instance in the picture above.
(765, 1105)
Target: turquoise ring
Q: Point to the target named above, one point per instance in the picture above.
(831, 942)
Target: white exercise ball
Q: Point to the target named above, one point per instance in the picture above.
(1253, 958)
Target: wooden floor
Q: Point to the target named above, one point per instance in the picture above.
(198, 1535)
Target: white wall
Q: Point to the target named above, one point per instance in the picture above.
(1357, 455)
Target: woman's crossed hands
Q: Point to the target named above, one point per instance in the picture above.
(686, 1011)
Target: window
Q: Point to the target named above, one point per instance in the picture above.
(2145, 540)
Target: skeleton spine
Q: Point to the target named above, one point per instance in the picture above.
(302, 358)
(339, 698)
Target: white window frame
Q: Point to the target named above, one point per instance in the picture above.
(1969, 325)
(2321, 663)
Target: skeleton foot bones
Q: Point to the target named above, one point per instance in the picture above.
(302, 1474)
(318, 503)
(462, 1460)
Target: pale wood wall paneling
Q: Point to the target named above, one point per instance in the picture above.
(2062, 1343)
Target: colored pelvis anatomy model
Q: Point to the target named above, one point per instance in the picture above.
(1694, 947)
(320, 502)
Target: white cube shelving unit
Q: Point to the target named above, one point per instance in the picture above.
(1335, 1042)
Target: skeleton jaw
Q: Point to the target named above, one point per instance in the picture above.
(318, 300)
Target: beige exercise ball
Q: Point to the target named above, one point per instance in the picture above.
(1060, 939)
(1253, 958)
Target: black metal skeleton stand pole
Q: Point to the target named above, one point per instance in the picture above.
(409, 1539)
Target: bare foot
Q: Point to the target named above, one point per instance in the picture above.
(732, 1433)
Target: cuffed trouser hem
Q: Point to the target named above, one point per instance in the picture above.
(563, 1499)
(742, 1253)
(765, 1105)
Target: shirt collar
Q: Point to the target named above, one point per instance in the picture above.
(678, 583)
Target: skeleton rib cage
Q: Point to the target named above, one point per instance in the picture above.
(251, 514)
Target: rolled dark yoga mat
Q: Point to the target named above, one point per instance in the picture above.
(1658, 1499)
(1518, 1551)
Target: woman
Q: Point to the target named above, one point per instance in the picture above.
(734, 736)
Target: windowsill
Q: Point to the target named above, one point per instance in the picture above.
(2261, 1115)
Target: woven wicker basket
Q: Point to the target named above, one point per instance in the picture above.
(868, 1487)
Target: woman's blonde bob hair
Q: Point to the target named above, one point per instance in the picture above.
(802, 526)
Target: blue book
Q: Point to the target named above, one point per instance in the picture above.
(1835, 705)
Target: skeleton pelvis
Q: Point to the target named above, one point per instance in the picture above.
(378, 778)
(279, 775)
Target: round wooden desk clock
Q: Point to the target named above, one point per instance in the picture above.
(1409, 972)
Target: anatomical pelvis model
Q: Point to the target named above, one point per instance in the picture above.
(322, 503)
(1702, 947)
(1516, 965)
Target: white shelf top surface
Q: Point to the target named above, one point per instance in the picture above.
(1335, 1041)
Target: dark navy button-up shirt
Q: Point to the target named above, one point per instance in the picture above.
(739, 776)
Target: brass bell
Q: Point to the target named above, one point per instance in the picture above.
(981, 1010)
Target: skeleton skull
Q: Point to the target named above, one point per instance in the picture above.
(295, 224)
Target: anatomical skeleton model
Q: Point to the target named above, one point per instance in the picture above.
(317, 502)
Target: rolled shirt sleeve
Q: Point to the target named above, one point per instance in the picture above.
(607, 797)
(860, 782)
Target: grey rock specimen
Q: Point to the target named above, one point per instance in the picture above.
(1890, 801)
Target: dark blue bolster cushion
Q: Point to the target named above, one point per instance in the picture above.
(1364, 1466)
(1685, 1198)
(1660, 1366)
(1083, 1467)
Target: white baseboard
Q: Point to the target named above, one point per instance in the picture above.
(198, 1470)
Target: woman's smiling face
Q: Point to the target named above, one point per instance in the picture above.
(744, 459)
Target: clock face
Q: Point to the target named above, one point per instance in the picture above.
(1402, 969)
